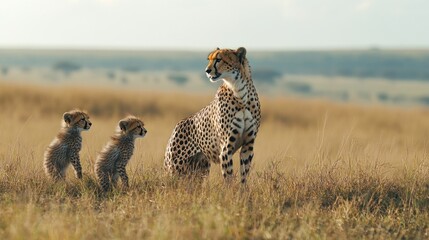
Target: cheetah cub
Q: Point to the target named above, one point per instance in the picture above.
(111, 161)
(65, 148)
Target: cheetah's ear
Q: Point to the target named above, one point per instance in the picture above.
(217, 48)
(123, 125)
(241, 54)
(67, 117)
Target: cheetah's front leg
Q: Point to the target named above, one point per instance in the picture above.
(229, 144)
(104, 182)
(75, 161)
(226, 160)
(124, 177)
(122, 172)
(246, 152)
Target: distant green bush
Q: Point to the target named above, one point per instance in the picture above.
(179, 79)
(299, 87)
(265, 75)
(4, 70)
(66, 67)
(111, 75)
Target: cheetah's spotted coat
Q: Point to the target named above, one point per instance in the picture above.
(112, 160)
(230, 122)
(65, 147)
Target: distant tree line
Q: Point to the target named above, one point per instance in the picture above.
(267, 66)
(362, 64)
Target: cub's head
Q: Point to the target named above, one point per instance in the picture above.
(132, 126)
(77, 119)
(225, 63)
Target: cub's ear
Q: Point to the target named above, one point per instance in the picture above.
(123, 125)
(241, 54)
(67, 117)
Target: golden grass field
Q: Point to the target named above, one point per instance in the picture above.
(321, 170)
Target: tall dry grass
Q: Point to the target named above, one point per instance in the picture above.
(322, 170)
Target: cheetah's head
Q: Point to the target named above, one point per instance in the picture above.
(225, 64)
(76, 119)
(132, 126)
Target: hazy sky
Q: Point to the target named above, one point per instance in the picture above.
(202, 24)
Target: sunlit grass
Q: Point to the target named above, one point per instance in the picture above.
(322, 170)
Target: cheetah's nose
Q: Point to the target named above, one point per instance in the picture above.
(90, 124)
(208, 70)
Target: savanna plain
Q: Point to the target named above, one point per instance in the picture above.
(322, 170)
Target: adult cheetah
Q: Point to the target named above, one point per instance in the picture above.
(231, 121)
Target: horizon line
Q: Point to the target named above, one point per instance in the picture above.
(182, 49)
